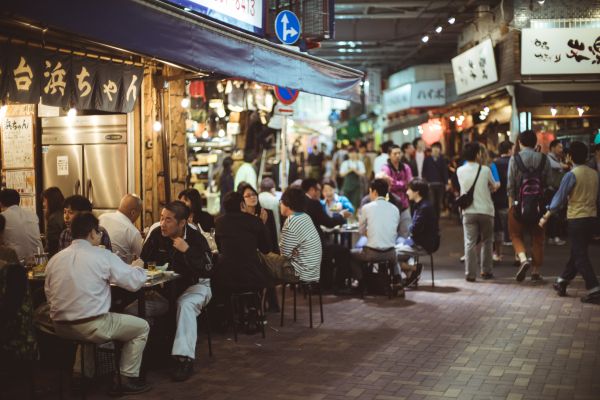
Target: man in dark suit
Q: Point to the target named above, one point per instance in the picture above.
(334, 255)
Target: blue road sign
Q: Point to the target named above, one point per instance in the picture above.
(286, 96)
(287, 27)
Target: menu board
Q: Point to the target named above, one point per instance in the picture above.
(23, 181)
(17, 142)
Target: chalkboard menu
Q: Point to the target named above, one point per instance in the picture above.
(17, 142)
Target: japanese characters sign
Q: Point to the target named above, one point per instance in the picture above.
(419, 94)
(475, 68)
(560, 51)
(17, 142)
(62, 80)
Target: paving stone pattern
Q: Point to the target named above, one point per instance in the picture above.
(492, 340)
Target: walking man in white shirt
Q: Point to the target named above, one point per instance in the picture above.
(125, 238)
(378, 221)
(77, 287)
(478, 217)
(246, 172)
(22, 231)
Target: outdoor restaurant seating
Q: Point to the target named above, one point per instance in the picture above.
(308, 287)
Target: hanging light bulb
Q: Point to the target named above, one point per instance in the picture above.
(72, 113)
(580, 110)
(205, 134)
(185, 102)
(451, 20)
(221, 133)
(157, 126)
(541, 2)
(405, 132)
(553, 111)
(452, 118)
(438, 29)
(425, 39)
(486, 110)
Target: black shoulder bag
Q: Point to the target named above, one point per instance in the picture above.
(466, 199)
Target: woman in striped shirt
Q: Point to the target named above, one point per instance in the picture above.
(299, 242)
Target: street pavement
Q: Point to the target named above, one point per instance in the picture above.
(486, 340)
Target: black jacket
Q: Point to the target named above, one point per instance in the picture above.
(190, 265)
(315, 211)
(239, 236)
(435, 170)
(424, 230)
(500, 196)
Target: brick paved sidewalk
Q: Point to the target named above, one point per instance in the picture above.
(492, 340)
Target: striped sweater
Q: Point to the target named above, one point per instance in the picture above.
(299, 233)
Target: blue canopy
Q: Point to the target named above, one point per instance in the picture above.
(157, 30)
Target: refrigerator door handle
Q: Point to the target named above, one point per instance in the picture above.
(90, 193)
(77, 187)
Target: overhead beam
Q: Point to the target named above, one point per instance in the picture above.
(343, 5)
(404, 15)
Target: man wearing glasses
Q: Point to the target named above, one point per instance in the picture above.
(74, 205)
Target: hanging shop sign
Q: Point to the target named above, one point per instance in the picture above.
(247, 15)
(413, 95)
(63, 80)
(475, 68)
(560, 51)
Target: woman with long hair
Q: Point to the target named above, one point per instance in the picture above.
(198, 217)
(52, 202)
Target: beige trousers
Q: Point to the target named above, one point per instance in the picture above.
(131, 331)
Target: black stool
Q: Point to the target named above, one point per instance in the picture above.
(81, 344)
(421, 253)
(391, 289)
(254, 298)
(204, 313)
(308, 287)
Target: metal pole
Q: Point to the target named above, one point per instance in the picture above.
(283, 164)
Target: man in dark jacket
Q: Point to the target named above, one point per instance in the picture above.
(334, 255)
(500, 199)
(435, 172)
(185, 250)
(424, 230)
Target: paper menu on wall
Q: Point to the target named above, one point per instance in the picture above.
(62, 165)
(17, 142)
(23, 181)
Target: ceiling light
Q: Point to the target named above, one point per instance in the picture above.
(486, 110)
(405, 132)
(72, 113)
(342, 43)
(580, 110)
(351, 44)
(482, 117)
(3, 110)
(541, 2)
(438, 29)
(185, 102)
(452, 118)
(342, 50)
(157, 126)
(425, 39)
(553, 111)
(205, 134)
(221, 133)
(451, 20)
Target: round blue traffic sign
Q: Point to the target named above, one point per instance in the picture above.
(286, 96)
(287, 27)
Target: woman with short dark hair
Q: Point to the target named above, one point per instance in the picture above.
(198, 217)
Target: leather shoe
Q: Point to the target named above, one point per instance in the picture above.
(129, 386)
(591, 297)
(182, 369)
(561, 288)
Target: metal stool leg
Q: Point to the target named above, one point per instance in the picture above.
(83, 383)
(234, 316)
(431, 261)
(208, 338)
(261, 315)
(320, 301)
(117, 359)
(282, 303)
(309, 287)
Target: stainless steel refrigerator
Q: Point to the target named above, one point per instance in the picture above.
(87, 155)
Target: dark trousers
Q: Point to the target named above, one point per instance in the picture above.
(556, 225)
(436, 196)
(335, 266)
(580, 234)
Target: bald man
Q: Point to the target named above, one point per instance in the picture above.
(125, 237)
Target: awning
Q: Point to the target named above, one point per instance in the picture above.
(160, 31)
(407, 122)
(537, 94)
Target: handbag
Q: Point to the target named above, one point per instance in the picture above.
(466, 199)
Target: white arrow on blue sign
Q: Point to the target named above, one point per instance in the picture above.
(287, 27)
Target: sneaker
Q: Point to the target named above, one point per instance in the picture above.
(470, 279)
(537, 278)
(496, 257)
(462, 259)
(557, 241)
(592, 297)
(523, 271)
(487, 276)
(129, 386)
(561, 288)
(182, 369)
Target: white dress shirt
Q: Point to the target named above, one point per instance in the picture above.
(245, 173)
(420, 159)
(482, 196)
(78, 281)
(124, 236)
(269, 201)
(22, 231)
(379, 221)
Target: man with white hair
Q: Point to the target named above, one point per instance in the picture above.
(125, 237)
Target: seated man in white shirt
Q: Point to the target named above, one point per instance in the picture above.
(22, 230)
(378, 221)
(125, 238)
(77, 287)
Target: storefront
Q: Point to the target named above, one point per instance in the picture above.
(173, 47)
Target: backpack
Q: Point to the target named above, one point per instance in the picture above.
(530, 205)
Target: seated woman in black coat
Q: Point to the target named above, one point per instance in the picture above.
(253, 207)
(424, 230)
(239, 237)
(198, 217)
